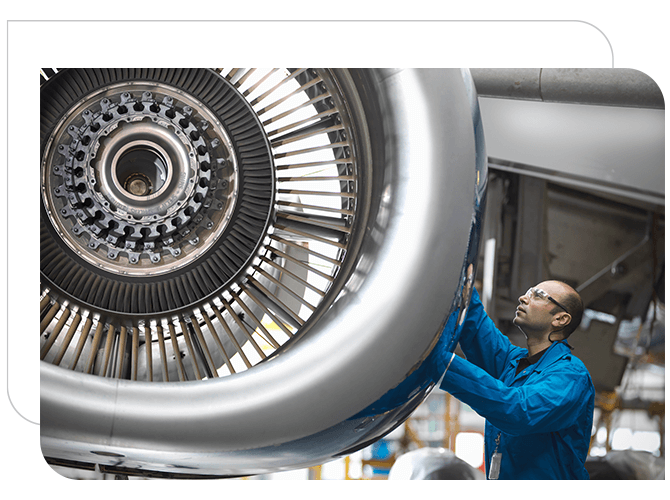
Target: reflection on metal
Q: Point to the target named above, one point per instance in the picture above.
(626, 465)
(251, 309)
(433, 464)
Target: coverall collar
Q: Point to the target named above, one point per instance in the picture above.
(557, 350)
(523, 363)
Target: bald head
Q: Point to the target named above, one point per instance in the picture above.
(568, 298)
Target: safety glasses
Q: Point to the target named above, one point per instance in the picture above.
(538, 292)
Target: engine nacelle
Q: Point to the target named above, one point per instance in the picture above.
(150, 384)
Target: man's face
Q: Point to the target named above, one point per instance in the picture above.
(535, 313)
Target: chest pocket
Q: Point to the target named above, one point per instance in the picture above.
(531, 372)
(525, 375)
(511, 379)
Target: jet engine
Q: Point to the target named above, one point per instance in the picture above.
(246, 271)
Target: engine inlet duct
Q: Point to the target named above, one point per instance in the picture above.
(246, 271)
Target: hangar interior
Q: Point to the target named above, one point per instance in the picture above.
(575, 192)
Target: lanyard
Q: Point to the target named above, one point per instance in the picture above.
(494, 471)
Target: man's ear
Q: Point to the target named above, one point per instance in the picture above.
(561, 320)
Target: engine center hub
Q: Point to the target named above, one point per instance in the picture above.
(141, 170)
(144, 178)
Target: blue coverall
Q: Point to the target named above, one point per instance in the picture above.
(543, 416)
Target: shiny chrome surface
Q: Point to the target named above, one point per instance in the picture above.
(357, 368)
(167, 179)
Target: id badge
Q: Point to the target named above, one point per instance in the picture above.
(494, 470)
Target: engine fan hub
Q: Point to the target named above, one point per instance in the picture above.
(142, 175)
(157, 188)
(141, 170)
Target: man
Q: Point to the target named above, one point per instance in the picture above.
(538, 402)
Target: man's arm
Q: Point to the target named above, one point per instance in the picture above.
(482, 343)
(546, 406)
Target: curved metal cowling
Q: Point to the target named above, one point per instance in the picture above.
(370, 359)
